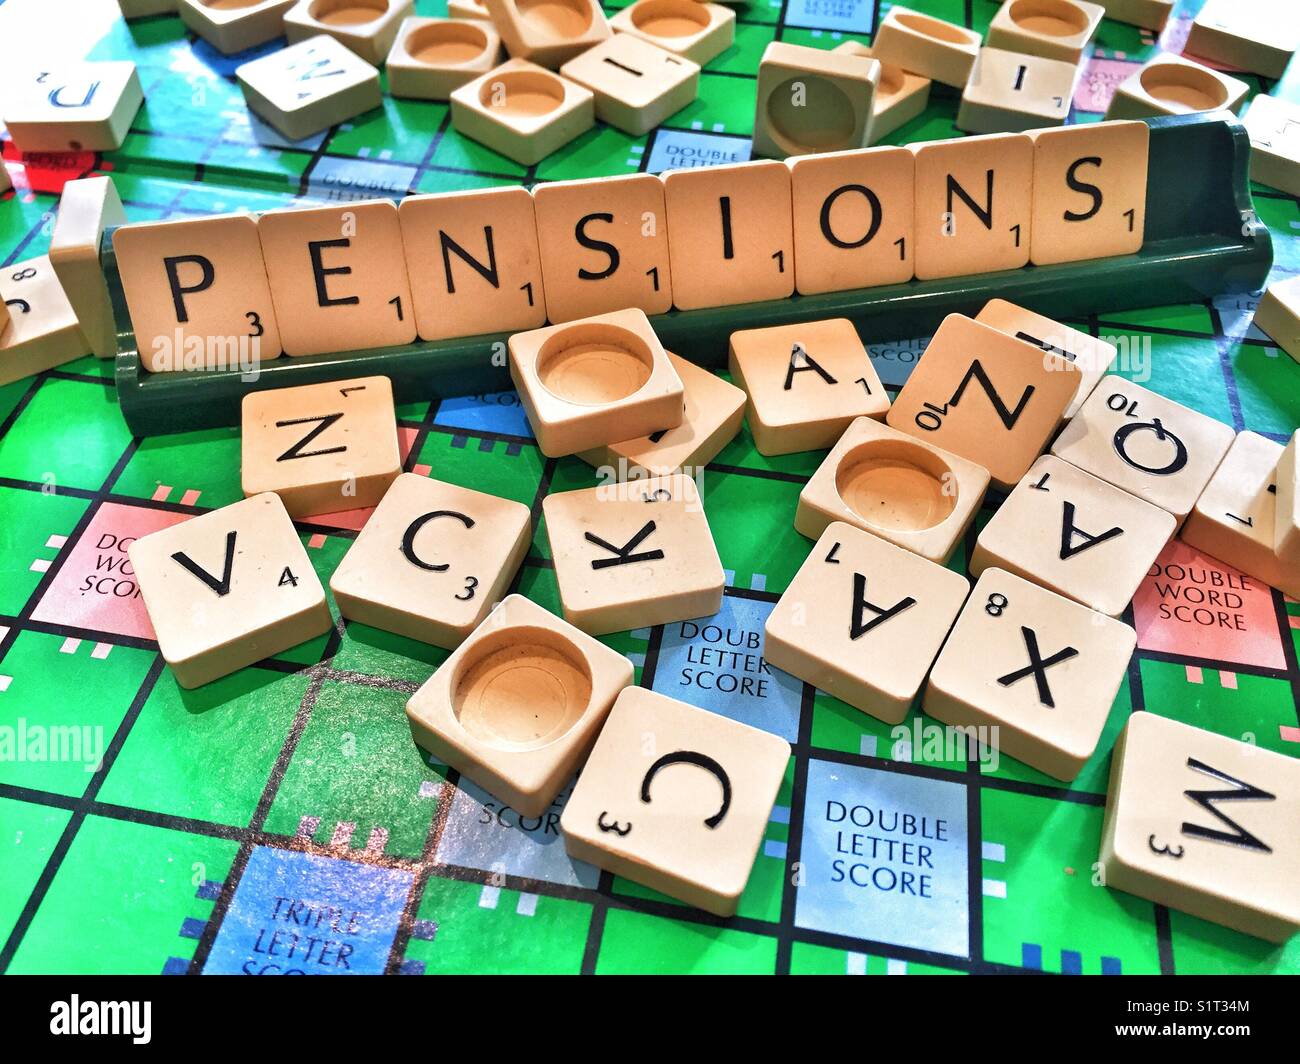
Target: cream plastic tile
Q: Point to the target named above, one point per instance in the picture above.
(232, 26)
(698, 31)
(1009, 92)
(1038, 669)
(1149, 14)
(468, 9)
(926, 46)
(42, 330)
(228, 588)
(522, 110)
(1274, 128)
(517, 706)
(366, 27)
(813, 100)
(864, 620)
(548, 34)
(805, 383)
(676, 798)
(86, 207)
(1053, 29)
(900, 95)
(1286, 526)
(75, 107)
(1202, 823)
(637, 85)
(309, 86)
(431, 57)
(1278, 315)
(1172, 85)
(1255, 35)
(432, 560)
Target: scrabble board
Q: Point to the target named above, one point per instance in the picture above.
(282, 819)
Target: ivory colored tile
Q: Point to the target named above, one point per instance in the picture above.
(86, 207)
(1274, 128)
(805, 383)
(1172, 85)
(321, 447)
(518, 705)
(338, 278)
(633, 555)
(309, 86)
(1146, 444)
(606, 244)
(637, 85)
(854, 219)
(1241, 516)
(197, 292)
(711, 415)
(730, 234)
(548, 34)
(1053, 29)
(986, 396)
(973, 204)
(1286, 525)
(1090, 191)
(1091, 356)
(1075, 535)
(74, 107)
(432, 560)
(1204, 824)
(690, 28)
(1009, 92)
(676, 798)
(1038, 669)
(146, 8)
(1149, 14)
(1256, 35)
(228, 588)
(473, 262)
(926, 46)
(595, 381)
(468, 9)
(864, 620)
(366, 27)
(906, 491)
(433, 56)
(1278, 315)
(813, 100)
(42, 330)
(900, 95)
(232, 26)
(522, 110)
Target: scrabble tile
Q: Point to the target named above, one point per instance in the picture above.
(1009, 92)
(730, 235)
(1091, 356)
(522, 110)
(1241, 517)
(42, 330)
(433, 56)
(468, 9)
(676, 798)
(1090, 191)
(548, 33)
(232, 26)
(712, 411)
(864, 620)
(197, 293)
(633, 555)
(606, 242)
(228, 588)
(86, 207)
(1274, 128)
(813, 100)
(637, 85)
(1146, 444)
(1053, 29)
(517, 706)
(1039, 669)
(337, 279)
(973, 200)
(321, 447)
(900, 94)
(805, 383)
(1202, 823)
(1149, 14)
(1286, 525)
(854, 219)
(432, 560)
(366, 27)
(473, 262)
(146, 8)
(595, 381)
(906, 491)
(1278, 315)
(1172, 85)
(1074, 534)
(74, 107)
(690, 28)
(309, 86)
(926, 46)
(986, 396)
(1256, 35)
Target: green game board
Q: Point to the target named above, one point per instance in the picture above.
(297, 779)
